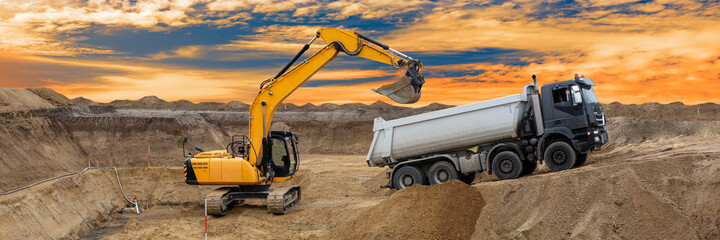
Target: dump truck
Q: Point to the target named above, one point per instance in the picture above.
(506, 136)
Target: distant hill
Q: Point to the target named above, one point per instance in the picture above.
(13, 99)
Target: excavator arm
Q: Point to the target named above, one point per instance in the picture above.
(274, 90)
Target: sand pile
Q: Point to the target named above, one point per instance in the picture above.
(51, 96)
(14, 99)
(446, 211)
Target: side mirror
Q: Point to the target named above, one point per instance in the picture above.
(577, 98)
(199, 149)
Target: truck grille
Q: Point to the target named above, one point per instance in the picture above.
(599, 115)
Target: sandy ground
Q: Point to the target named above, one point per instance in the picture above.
(335, 189)
(621, 193)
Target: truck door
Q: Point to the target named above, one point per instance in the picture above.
(564, 112)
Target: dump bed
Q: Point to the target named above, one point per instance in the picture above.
(447, 129)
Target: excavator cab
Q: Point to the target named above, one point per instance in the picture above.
(283, 158)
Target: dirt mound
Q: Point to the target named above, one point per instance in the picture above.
(51, 96)
(446, 211)
(384, 105)
(12, 99)
(307, 106)
(328, 106)
(122, 103)
(435, 106)
(238, 104)
(154, 102)
(151, 101)
(353, 106)
(81, 101)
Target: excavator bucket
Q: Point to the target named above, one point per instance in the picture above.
(407, 89)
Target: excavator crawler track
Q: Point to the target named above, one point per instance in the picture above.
(279, 200)
(282, 199)
(219, 202)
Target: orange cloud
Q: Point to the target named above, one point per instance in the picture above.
(660, 50)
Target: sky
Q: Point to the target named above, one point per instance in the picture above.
(220, 50)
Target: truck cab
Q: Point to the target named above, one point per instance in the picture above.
(572, 109)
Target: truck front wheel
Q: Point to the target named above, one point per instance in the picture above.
(507, 165)
(407, 176)
(560, 156)
(441, 172)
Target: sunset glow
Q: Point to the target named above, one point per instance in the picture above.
(220, 50)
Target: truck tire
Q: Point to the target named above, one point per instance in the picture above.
(407, 176)
(442, 172)
(581, 159)
(469, 179)
(529, 167)
(560, 156)
(507, 165)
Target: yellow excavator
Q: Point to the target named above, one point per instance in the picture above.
(250, 164)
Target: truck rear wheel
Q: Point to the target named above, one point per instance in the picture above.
(407, 176)
(441, 172)
(507, 165)
(560, 156)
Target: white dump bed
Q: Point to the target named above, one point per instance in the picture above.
(447, 129)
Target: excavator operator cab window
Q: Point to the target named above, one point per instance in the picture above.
(284, 161)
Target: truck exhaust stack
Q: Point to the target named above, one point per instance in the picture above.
(407, 89)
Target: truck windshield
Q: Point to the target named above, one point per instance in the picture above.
(589, 95)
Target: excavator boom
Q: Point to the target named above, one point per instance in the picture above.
(275, 90)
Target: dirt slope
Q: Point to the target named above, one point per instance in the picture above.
(14, 99)
(66, 208)
(650, 199)
(35, 148)
(51, 96)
